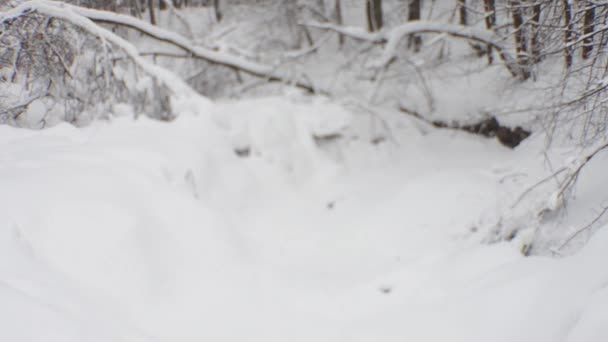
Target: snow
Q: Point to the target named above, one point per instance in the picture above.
(36, 110)
(138, 230)
(292, 218)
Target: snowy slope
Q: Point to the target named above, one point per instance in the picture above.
(148, 231)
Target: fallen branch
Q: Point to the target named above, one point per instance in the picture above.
(489, 127)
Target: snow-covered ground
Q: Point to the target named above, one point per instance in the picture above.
(138, 230)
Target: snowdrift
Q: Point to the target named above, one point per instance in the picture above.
(137, 230)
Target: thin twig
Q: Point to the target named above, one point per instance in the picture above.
(572, 178)
(589, 225)
(537, 184)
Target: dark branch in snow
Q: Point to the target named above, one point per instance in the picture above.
(490, 127)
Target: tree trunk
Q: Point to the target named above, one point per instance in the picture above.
(374, 15)
(535, 29)
(339, 21)
(568, 33)
(588, 28)
(462, 11)
(490, 19)
(520, 37)
(217, 10)
(413, 14)
(151, 12)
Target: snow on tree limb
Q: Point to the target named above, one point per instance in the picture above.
(67, 13)
(216, 57)
(351, 31)
(76, 15)
(393, 37)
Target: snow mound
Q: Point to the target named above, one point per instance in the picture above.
(137, 230)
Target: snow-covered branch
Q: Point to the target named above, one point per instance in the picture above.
(70, 14)
(76, 15)
(572, 172)
(393, 37)
(542, 198)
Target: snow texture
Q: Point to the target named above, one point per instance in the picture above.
(137, 230)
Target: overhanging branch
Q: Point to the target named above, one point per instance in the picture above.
(69, 12)
(393, 37)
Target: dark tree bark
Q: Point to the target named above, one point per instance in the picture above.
(535, 29)
(568, 34)
(518, 25)
(462, 11)
(339, 21)
(413, 14)
(217, 10)
(374, 15)
(520, 37)
(588, 28)
(378, 15)
(490, 19)
(162, 5)
(151, 12)
(413, 10)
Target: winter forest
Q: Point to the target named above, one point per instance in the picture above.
(304, 170)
